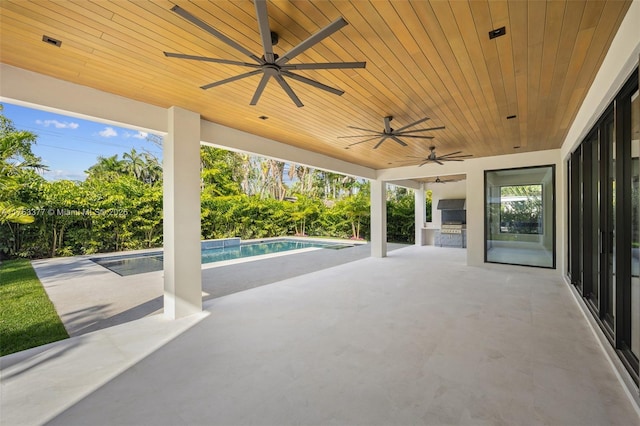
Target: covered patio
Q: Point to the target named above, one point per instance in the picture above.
(419, 335)
(398, 340)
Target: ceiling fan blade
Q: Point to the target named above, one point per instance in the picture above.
(413, 124)
(289, 90)
(439, 162)
(451, 153)
(414, 136)
(260, 89)
(324, 66)
(360, 136)
(312, 83)
(217, 34)
(398, 140)
(387, 124)
(423, 163)
(206, 59)
(384, 138)
(265, 32)
(314, 39)
(457, 156)
(449, 159)
(422, 130)
(415, 156)
(230, 79)
(366, 140)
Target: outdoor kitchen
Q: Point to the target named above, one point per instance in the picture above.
(453, 228)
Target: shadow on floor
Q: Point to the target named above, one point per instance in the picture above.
(225, 280)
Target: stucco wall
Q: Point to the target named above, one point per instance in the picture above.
(443, 191)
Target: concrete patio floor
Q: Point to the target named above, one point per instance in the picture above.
(418, 337)
(89, 297)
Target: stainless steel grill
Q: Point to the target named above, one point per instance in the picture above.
(451, 229)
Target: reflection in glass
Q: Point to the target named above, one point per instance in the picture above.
(520, 216)
(521, 209)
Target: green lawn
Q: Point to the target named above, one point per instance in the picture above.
(27, 316)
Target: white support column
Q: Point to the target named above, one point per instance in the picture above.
(420, 213)
(378, 218)
(181, 205)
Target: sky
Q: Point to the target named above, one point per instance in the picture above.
(68, 146)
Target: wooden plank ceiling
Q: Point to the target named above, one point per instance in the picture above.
(424, 59)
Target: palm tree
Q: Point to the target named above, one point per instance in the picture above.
(153, 168)
(134, 164)
(107, 165)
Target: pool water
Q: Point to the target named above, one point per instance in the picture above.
(131, 264)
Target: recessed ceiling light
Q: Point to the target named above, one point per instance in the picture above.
(510, 117)
(263, 117)
(497, 32)
(51, 40)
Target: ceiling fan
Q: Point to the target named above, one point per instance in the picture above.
(434, 158)
(393, 134)
(270, 64)
(438, 180)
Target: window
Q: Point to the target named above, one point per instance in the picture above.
(520, 211)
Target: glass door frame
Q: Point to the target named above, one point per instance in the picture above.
(624, 215)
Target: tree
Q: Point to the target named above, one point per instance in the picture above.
(304, 177)
(18, 237)
(153, 169)
(220, 171)
(303, 209)
(16, 156)
(355, 208)
(401, 216)
(145, 166)
(107, 165)
(145, 216)
(64, 204)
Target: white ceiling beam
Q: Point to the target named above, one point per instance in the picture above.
(33, 90)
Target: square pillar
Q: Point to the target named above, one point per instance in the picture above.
(475, 216)
(181, 214)
(378, 218)
(420, 213)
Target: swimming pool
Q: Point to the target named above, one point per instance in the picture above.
(131, 264)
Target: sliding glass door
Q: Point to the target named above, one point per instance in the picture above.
(604, 223)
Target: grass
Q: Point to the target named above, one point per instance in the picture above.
(27, 316)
